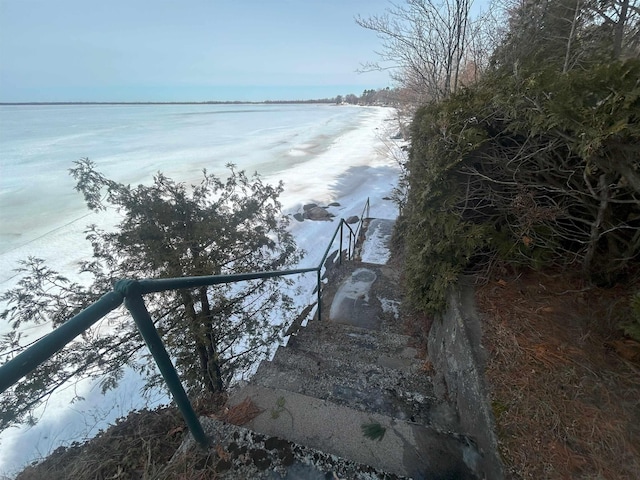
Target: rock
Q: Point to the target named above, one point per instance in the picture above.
(318, 213)
(353, 219)
(260, 459)
(309, 206)
(334, 204)
(299, 217)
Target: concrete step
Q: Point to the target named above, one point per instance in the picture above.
(344, 342)
(398, 394)
(386, 371)
(241, 454)
(406, 449)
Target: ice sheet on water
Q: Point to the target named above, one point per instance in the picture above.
(131, 143)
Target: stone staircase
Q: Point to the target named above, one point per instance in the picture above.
(352, 371)
(350, 366)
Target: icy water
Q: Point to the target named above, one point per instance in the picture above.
(38, 145)
(322, 153)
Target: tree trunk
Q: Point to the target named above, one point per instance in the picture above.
(567, 55)
(208, 359)
(618, 32)
(213, 370)
(603, 188)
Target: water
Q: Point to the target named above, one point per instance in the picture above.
(323, 153)
(130, 143)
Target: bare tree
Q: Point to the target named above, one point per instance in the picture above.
(424, 42)
(569, 33)
(621, 19)
(485, 32)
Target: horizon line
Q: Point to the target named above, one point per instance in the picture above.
(205, 102)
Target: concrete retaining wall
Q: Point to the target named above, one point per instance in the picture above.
(458, 358)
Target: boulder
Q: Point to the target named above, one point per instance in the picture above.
(334, 204)
(309, 206)
(318, 213)
(353, 219)
(298, 216)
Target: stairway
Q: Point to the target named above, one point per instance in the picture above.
(357, 369)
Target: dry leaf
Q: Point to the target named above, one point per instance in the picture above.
(175, 430)
(222, 453)
(427, 367)
(241, 413)
(627, 349)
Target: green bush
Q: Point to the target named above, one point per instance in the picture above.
(540, 170)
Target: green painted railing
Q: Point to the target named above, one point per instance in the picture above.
(130, 293)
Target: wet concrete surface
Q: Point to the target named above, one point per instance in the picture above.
(353, 302)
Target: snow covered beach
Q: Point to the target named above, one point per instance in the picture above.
(323, 154)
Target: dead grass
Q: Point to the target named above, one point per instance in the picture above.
(565, 395)
(138, 446)
(135, 447)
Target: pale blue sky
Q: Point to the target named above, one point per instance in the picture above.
(190, 50)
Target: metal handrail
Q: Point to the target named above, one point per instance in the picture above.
(360, 223)
(130, 293)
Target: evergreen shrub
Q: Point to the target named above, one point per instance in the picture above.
(539, 169)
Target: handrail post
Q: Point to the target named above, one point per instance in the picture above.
(341, 233)
(135, 305)
(319, 296)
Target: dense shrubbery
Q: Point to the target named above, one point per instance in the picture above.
(537, 168)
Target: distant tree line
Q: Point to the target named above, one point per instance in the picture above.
(369, 97)
(380, 97)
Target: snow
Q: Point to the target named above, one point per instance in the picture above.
(390, 306)
(375, 248)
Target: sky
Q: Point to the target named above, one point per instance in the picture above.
(189, 50)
